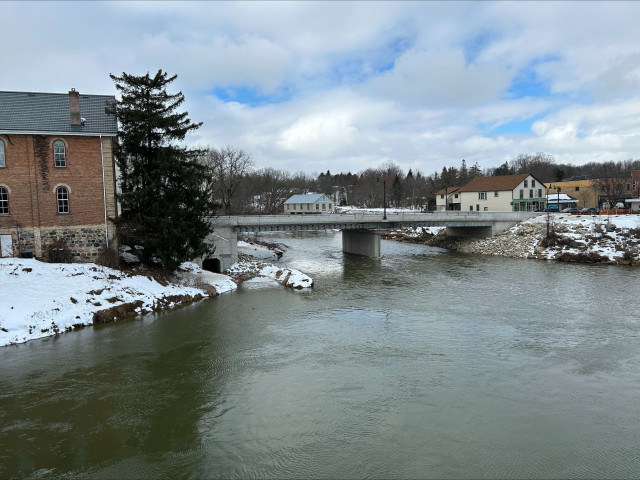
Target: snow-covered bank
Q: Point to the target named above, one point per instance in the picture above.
(610, 239)
(39, 299)
(253, 264)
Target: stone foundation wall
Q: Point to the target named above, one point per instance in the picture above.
(84, 242)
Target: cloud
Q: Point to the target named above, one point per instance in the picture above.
(350, 85)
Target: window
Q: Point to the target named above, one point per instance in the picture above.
(456, 195)
(486, 209)
(521, 194)
(539, 193)
(4, 201)
(308, 206)
(63, 199)
(531, 193)
(324, 206)
(628, 186)
(533, 183)
(577, 189)
(482, 195)
(441, 197)
(59, 156)
(2, 162)
(526, 184)
(471, 208)
(477, 208)
(317, 206)
(495, 194)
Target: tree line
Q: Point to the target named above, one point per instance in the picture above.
(240, 189)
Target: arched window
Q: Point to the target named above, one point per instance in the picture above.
(59, 155)
(63, 199)
(4, 200)
(2, 161)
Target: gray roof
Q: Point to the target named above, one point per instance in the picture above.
(305, 198)
(29, 112)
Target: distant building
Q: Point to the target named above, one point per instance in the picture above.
(586, 191)
(57, 174)
(562, 201)
(309, 203)
(502, 193)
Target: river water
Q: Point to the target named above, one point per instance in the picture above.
(423, 364)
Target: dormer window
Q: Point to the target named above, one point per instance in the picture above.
(59, 154)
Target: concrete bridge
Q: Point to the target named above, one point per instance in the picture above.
(360, 231)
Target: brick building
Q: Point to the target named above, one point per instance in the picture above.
(57, 173)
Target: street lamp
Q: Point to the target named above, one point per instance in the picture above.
(384, 196)
(558, 188)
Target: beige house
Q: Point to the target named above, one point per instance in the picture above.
(505, 193)
(309, 203)
(448, 199)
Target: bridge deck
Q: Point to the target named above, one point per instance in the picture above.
(373, 221)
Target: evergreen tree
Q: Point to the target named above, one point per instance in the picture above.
(463, 174)
(163, 195)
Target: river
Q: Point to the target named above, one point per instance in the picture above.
(423, 364)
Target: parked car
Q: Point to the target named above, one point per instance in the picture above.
(589, 211)
(550, 209)
(571, 210)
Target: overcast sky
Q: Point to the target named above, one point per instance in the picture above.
(341, 86)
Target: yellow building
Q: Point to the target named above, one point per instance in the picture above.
(586, 191)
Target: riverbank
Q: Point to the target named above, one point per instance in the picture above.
(613, 239)
(39, 299)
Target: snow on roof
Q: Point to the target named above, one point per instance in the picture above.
(553, 198)
(305, 198)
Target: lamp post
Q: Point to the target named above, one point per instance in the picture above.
(558, 188)
(384, 197)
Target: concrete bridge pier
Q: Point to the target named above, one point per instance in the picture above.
(361, 242)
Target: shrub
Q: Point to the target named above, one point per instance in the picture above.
(58, 252)
(108, 256)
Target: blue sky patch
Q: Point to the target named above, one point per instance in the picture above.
(516, 126)
(527, 83)
(475, 45)
(250, 96)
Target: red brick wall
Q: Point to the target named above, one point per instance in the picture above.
(31, 179)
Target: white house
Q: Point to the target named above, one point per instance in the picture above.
(309, 203)
(503, 193)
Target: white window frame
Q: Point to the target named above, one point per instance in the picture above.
(59, 157)
(62, 197)
(4, 202)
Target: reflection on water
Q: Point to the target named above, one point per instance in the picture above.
(420, 364)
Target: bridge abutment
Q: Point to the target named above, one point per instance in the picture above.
(225, 241)
(361, 242)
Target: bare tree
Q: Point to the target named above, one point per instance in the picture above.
(271, 187)
(227, 168)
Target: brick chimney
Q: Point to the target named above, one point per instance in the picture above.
(74, 106)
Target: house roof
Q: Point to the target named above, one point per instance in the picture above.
(497, 183)
(553, 198)
(448, 191)
(30, 112)
(305, 198)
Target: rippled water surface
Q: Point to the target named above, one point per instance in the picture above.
(423, 364)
